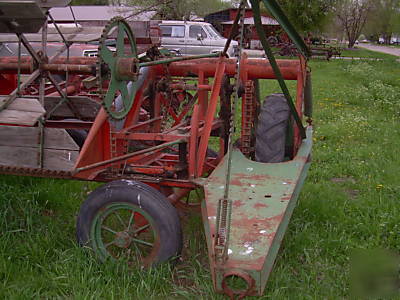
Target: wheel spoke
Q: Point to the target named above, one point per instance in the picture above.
(120, 219)
(120, 40)
(142, 242)
(140, 229)
(109, 244)
(125, 96)
(130, 221)
(107, 56)
(110, 96)
(108, 229)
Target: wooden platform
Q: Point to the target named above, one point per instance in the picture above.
(19, 147)
(86, 107)
(22, 111)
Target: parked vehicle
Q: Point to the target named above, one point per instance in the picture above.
(193, 38)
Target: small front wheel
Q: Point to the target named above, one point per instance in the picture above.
(132, 221)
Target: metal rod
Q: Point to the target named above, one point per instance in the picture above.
(233, 29)
(59, 52)
(42, 84)
(55, 84)
(73, 16)
(19, 67)
(61, 102)
(74, 60)
(225, 204)
(64, 95)
(41, 143)
(76, 69)
(58, 30)
(129, 155)
(28, 47)
(257, 22)
(53, 68)
(234, 110)
(167, 61)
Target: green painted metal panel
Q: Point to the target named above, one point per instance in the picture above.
(263, 197)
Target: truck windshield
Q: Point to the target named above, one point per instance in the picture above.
(213, 32)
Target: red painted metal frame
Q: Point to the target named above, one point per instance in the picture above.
(147, 126)
(196, 134)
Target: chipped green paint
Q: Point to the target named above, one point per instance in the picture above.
(263, 198)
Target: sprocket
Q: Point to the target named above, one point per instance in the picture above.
(120, 66)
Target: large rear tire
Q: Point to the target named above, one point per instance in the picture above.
(272, 129)
(132, 221)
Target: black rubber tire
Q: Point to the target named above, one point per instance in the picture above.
(272, 129)
(78, 135)
(154, 203)
(211, 153)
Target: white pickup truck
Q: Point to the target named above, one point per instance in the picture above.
(193, 38)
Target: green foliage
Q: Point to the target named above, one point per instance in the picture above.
(309, 15)
(178, 10)
(382, 95)
(352, 16)
(384, 20)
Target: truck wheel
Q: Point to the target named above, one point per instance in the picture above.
(271, 129)
(132, 221)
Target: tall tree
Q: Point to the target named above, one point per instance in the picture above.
(309, 15)
(384, 20)
(352, 16)
(183, 9)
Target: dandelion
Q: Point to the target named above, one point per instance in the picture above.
(379, 187)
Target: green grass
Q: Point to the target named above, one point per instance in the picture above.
(349, 202)
(365, 53)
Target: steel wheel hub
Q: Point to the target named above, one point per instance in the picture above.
(123, 239)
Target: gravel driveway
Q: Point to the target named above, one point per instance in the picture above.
(384, 49)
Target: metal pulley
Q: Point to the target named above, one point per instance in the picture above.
(119, 64)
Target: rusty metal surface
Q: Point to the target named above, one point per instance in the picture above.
(37, 172)
(263, 198)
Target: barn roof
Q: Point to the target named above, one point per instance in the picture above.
(98, 13)
(250, 21)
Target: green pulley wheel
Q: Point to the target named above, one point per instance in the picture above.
(118, 64)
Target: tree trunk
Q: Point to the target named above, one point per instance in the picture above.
(351, 44)
(387, 37)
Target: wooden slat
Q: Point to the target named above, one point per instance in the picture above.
(16, 117)
(24, 104)
(87, 108)
(62, 160)
(22, 111)
(54, 138)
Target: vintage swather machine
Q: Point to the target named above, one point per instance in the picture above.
(154, 128)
